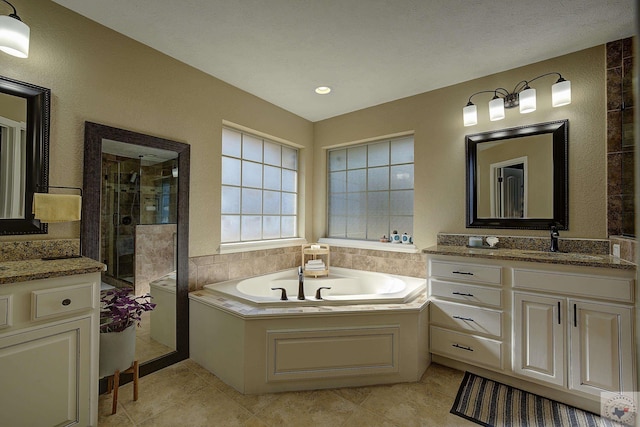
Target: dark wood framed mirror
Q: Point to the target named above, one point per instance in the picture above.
(165, 166)
(518, 177)
(24, 154)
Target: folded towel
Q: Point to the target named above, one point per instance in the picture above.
(315, 261)
(57, 207)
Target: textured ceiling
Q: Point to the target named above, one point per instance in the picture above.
(368, 51)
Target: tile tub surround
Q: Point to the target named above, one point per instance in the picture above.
(216, 268)
(35, 249)
(209, 269)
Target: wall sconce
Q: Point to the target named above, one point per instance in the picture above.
(522, 95)
(14, 34)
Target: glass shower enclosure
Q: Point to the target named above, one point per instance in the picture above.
(137, 189)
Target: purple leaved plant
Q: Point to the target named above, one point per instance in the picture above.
(120, 309)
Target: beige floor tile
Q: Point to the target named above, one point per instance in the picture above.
(406, 404)
(186, 394)
(364, 418)
(443, 379)
(105, 419)
(309, 408)
(206, 407)
(254, 422)
(356, 395)
(170, 385)
(253, 402)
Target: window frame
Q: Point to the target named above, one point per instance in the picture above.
(388, 216)
(271, 241)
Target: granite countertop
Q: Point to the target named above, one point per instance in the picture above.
(34, 269)
(567, 258)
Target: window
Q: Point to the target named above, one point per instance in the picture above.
(259, 188)
(370, 189)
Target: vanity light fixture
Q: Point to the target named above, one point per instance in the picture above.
(14, 34)
(522, 95)
(323, 90)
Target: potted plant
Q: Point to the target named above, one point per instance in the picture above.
(120, 312)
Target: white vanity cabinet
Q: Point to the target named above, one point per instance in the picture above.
(571, 341)
(564, 326)
(466, 312)
(539, 337)
(49, 351)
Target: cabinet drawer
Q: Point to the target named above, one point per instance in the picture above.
(466, 293)
(467, 272)
(59, 301)
(469, 348)
(468, 318)
(610, 288)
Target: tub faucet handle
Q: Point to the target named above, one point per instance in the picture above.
(318, 292)
(283, 295)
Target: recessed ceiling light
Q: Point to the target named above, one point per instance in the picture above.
(323, 90)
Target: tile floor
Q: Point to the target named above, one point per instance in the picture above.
(185, 394)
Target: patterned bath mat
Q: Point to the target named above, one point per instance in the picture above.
(490, 403)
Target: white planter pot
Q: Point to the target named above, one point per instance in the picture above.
(117, 351)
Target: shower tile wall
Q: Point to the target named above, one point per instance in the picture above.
(155, 249)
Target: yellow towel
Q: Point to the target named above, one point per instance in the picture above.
(57, 207)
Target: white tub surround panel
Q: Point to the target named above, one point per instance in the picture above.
(273, 349)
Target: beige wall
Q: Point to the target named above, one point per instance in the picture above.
(436, 119)
(98, 75)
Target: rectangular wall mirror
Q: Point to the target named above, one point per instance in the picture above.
(518, 178)
(24, 154)
(136, 221)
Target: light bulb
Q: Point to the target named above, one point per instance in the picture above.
(470, 115)
(496, 109)
(14, 36)
(561, 93)
(527, 100)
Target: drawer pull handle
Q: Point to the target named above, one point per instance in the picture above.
(468, 319)
(66, 301)
(462, 347)
(462, 294)
(466, 273)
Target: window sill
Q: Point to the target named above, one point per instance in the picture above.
(229, 248)
(368, 244)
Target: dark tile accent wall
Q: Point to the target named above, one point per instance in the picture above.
(620, 138)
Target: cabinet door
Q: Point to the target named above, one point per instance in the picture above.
(600, 348)
(41, 371)
(538, 337)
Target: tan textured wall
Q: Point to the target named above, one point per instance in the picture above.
(99, 75)
(436, 118)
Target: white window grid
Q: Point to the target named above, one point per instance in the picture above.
(379, 213)
(251, 226)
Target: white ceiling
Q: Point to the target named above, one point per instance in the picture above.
(368, 51)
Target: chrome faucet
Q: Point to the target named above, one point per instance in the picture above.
(300, 283)
(554, 239)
